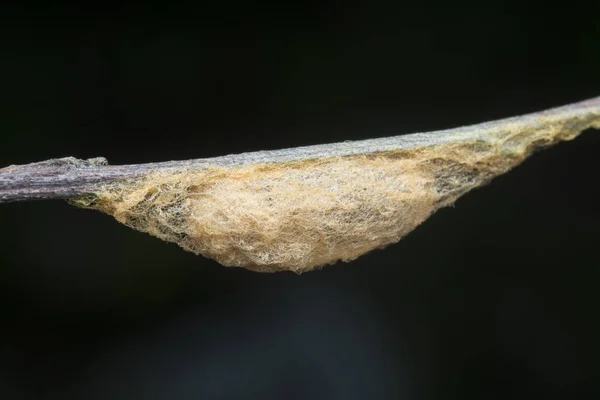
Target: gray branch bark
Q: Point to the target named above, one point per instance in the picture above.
(68, 177)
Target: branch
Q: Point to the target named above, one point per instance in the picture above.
(300, 208)
(68, 177)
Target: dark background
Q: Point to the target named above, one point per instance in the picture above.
(496, 297)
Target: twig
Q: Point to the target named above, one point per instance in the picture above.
(68, 177)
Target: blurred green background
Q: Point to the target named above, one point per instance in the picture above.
(496, 297)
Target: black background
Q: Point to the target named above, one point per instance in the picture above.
(496, 297)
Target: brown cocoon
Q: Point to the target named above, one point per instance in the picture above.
(301, 215)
